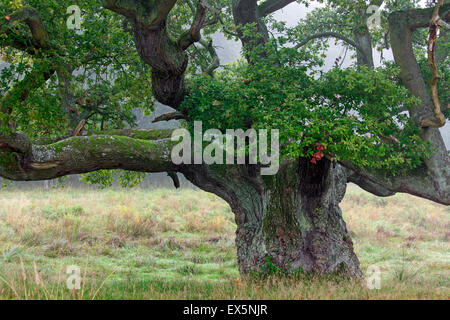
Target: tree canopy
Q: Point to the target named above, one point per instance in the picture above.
(68, 95)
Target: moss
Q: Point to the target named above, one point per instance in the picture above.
(123, 146)
(139, 134)
(282, 189)
(7, 159)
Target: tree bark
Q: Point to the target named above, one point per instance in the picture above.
(365, 55)
(292, 218)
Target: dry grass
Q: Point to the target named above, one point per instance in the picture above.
(165, 244)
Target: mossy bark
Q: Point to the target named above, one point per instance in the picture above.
(292, 218)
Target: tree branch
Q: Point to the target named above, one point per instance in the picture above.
(155, 46)
(144, 152)
(331, 35)
(402, 24)
(368, 185)
(439, 119)
(270, 6)
(245, 12)
(432, 180)
(194, 33)
(423, 183)
(215, 63)
(33, 20)
(169, 116)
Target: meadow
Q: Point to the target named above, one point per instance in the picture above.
(166, 244)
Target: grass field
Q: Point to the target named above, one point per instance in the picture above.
(165, 244)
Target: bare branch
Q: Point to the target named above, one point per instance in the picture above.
(368, 185)
(270, 6)
(423, 184)
(144, 152)
(439, 119)
(79, 128)
(169, 116)
(215, 63)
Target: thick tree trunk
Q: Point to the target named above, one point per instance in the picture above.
(364, 41)
(292, 218)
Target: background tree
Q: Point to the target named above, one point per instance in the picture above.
(67, 101)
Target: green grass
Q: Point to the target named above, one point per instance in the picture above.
(164, 244)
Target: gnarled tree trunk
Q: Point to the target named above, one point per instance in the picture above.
(293, 218)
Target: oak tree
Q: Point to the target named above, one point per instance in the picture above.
(68, 98)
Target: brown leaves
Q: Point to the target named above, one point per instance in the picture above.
(319, 154)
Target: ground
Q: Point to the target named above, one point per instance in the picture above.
(165, 244)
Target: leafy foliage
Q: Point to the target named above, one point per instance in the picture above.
(106, 178)
(356, 115)
(105, 75)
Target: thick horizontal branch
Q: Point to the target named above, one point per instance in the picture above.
(368, 185)
(270, 6)
(155, 134)
(215, 60)
(142, 151)
(15, 142)
(423, 183)
(420, 18)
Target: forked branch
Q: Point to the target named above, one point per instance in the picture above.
(193, 35)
